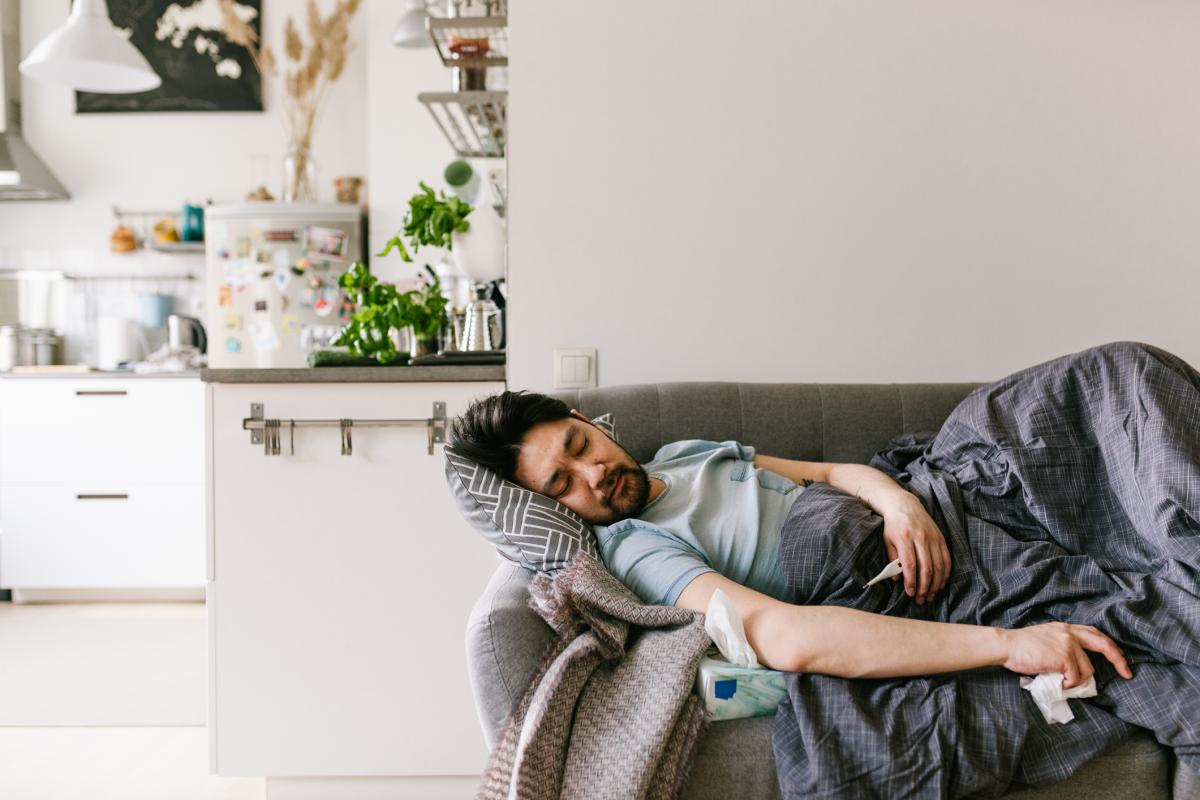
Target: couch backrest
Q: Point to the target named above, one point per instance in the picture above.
(830, 422)
(834, 422)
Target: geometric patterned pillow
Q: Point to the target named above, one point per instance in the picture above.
(529, 528)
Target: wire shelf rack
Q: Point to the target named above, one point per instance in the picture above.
(475, 123)
(470, 41)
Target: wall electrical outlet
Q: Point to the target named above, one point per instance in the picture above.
(575, 368)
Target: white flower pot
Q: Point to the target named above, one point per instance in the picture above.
(479, 252)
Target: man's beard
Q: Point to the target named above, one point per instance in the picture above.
(632, 497)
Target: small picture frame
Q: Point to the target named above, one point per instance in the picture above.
(327, 242)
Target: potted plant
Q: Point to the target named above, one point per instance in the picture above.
(440, 220)
(382, 309)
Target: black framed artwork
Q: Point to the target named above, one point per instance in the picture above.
(185, 44)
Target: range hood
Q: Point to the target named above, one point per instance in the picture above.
(23, 176)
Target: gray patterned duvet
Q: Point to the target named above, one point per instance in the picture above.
(1067, 491)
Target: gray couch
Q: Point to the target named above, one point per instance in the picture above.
(811, 422)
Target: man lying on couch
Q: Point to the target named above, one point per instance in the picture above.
(675, 529)
(1065, 494)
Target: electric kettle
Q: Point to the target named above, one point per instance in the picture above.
(186, 331)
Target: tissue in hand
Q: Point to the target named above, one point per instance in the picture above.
(734, 686)
(1051, 698)
(723, 625)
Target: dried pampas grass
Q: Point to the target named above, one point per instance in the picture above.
(311, 71)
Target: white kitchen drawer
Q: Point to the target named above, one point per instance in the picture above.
(136, 430)
(88, 535)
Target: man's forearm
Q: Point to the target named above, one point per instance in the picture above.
(832, 640)
(875, 488)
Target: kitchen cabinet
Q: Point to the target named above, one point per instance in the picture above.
(101, 482)
(339, 585)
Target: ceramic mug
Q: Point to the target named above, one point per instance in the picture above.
(155, 309)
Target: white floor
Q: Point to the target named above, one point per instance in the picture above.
(106, 702)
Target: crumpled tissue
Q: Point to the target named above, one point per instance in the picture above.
(1051, 698)
(723, 625)
(733, 684)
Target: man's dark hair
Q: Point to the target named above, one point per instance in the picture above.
(490, 431)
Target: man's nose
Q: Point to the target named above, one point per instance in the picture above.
(596, 473)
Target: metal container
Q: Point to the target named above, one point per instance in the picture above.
(46, 348)
(38, 346)
(9, 347)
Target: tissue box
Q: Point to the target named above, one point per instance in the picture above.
(733, 692)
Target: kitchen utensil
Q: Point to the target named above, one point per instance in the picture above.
(186, 332)
(9, 347)
(155, 308)
(46, 346)
(482, 328)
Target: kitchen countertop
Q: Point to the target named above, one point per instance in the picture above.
(449, 372)
(114, 373)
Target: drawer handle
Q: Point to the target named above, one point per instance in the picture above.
(114, 496)
(100, 392)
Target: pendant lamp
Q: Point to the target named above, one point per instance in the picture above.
(89, 55)
(410, 30)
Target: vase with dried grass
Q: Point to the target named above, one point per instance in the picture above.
(307, 77)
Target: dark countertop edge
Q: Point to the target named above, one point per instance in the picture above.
(118, 375)
(427, 374)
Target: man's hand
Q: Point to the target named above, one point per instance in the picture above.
(911, 535)
(1059, 647)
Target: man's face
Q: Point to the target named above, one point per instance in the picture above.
(576, 463)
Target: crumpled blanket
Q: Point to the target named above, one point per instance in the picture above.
(610, 712)
(1067, 491)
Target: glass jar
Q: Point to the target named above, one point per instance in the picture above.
(299, 175)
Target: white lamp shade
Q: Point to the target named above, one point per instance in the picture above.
(89, 55)
(410, 30)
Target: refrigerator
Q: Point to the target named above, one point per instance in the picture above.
(271, 272)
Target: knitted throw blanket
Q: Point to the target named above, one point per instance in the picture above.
(610, 711)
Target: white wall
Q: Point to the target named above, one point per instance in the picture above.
(806, 190)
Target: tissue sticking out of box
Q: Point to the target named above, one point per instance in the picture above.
(723, 625)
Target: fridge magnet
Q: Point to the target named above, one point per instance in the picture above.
(225, 295)
(346, 308)
(280, 259)
(263, 256)
(243, 247)
(323, 307)
(283, 276)
(233, 344)
(314, 282)
(328, 242)
(260, 305)
(223, 252)
(307, 298)
(265, 337)
(282, 236)
(290, 324)
(233, 322)
(301, 266)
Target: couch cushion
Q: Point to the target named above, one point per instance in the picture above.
(527, 528)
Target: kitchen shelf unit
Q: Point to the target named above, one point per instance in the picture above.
(495, 29)
(475, 123)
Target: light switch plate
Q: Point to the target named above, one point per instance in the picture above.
(574, 368)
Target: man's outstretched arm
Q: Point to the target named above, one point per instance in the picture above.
(857, 644)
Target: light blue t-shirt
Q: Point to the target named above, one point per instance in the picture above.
(719, 513)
